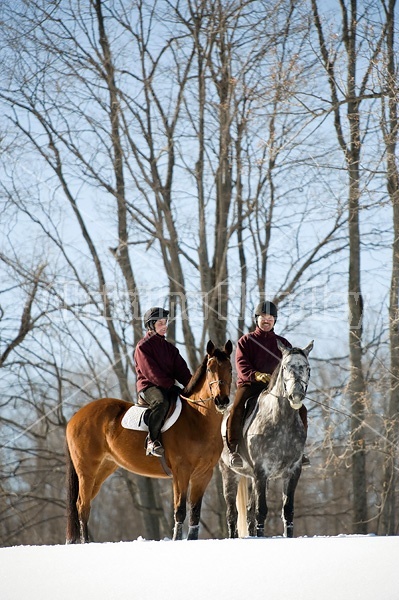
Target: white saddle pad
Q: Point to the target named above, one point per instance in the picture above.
(134, 418)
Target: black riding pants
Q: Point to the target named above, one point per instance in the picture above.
(236, 417)
(158, 400)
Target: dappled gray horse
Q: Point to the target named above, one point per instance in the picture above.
(272, 446)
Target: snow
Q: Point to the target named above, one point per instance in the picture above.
(319, 568)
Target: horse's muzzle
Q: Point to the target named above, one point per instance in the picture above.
(297, 396)
(296, 401)
(221, 403)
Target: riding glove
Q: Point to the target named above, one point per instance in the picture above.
(264, 377)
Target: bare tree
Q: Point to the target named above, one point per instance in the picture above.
(348, 127)
(390, 124)
(30, 281)
(175, 153)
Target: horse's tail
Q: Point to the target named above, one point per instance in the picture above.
(72, 485)
(242, 503)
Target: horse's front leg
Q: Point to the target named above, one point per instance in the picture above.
(193, 528)
(180, 487)
(180, 515)
(287, 514)
(261, 508)
(197, 491)
(195, 514)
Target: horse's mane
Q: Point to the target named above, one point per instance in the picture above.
(276, 371)
(274, 376)
(198, 375)
(200, 372)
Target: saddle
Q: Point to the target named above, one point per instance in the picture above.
(251, 408)
(137, 416)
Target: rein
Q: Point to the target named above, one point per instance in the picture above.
(349, 416)
(219, 381)
(202, 400)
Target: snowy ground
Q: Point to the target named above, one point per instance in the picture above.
(322, 568)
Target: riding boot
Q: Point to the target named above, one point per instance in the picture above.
(158, 402)
(154, 448)
(235, 423)
(233, 431)
(155, 422)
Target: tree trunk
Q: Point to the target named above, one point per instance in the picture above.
(356, 384)
(352, 152)
(355, 300)
(218, 295)
(391, 136)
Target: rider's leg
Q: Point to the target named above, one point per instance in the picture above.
(235, 420)
(303, 413)
(158, 401)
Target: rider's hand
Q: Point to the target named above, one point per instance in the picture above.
(264, 377)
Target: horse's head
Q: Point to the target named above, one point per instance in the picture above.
(295, 373)
(218, 374)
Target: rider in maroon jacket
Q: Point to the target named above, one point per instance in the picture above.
(257, 356)
(158, 365)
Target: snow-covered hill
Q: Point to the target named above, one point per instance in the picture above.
(330, 568)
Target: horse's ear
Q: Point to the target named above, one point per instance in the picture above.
(308, 348)
(210, 348)
(283, 349)
(228, 347)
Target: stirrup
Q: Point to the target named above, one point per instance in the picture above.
(236, 460)
(154, 448)
(305, 462)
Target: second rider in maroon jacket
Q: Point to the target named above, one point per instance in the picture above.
(257, 356)
(158, 365)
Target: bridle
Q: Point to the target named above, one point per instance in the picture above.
(219, 382)
(298, 378)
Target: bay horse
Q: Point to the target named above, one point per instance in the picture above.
(272, 446)
(97, 445)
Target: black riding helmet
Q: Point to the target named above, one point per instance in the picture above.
(153, 314)
(266, 308)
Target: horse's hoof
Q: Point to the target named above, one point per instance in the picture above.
(193, 532)
(178, 532)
